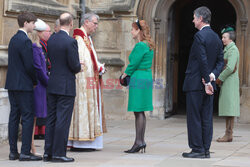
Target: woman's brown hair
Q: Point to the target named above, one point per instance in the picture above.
(144, 33)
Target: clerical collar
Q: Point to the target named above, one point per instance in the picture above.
(207, 25)
(65, 31)
(21, 29)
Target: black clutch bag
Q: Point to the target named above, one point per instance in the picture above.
(125, 81)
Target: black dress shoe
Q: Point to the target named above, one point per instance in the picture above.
(193, 155)
(207, 154)
(13, 156)
(30, 157)
(62, 159)
(47, 157)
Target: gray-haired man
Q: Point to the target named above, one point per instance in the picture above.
(205, 61)
(88, 118)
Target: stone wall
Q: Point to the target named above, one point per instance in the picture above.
(4, 112)
(245, 87)
(4, 101)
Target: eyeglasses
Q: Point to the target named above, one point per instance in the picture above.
(95, 23)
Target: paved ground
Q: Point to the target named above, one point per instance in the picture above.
(166, 140)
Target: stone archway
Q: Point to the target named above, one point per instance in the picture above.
(156, 13)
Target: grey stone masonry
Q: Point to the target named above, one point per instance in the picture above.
(4, 114)
(3, 55)
(44, 7)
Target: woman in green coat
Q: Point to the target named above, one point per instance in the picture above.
(141, 82)
(229, 99)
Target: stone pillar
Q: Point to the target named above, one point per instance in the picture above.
(157, 22)
(243, 23)
(245, 89)
(1, 23)
(158, 88)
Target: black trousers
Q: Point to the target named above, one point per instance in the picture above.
(21, 105)
(60, 110)
(199, 120)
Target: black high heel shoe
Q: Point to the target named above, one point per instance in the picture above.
(144, 147)
(137, 149)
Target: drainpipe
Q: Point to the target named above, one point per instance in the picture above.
(82, 6)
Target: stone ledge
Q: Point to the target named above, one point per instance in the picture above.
(114, 6)
(127, 5)
(3, 47)
(112, 51)
(44, 7)
(112, 62)
(3, 92)
(110, 57)
(3, 55)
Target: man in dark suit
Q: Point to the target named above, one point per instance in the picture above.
(205, 62)
(63, 54)
(20, 81)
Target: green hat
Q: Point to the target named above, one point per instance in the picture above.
(227, 29)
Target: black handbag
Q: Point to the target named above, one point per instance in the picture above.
(125, 81)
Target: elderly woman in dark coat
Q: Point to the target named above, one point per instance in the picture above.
(40, 102)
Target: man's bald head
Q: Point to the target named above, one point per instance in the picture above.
(65, 19)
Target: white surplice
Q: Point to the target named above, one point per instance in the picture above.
(86, 125)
